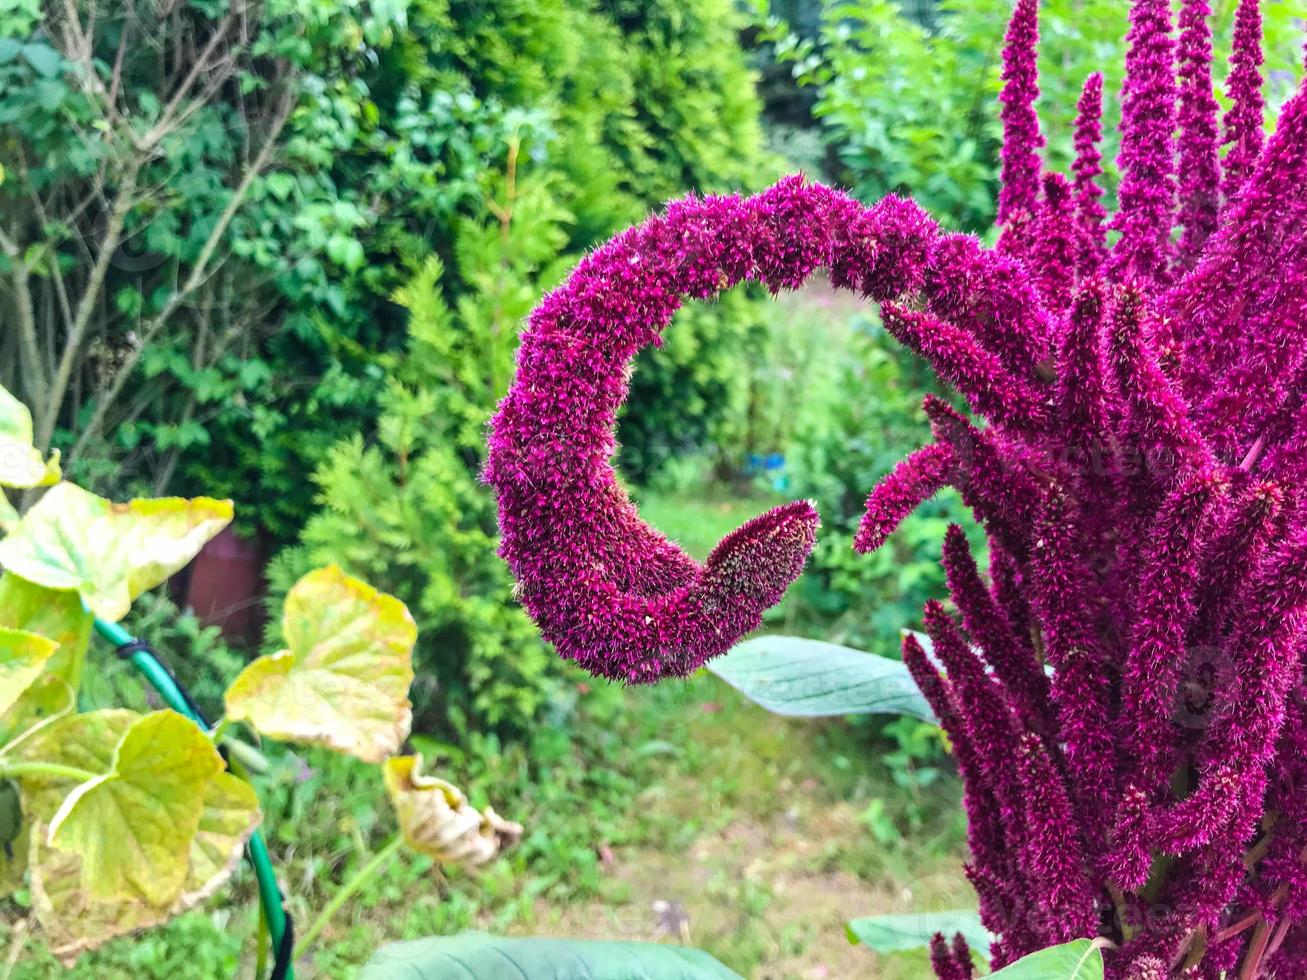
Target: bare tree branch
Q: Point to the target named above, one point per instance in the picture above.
(198, 274)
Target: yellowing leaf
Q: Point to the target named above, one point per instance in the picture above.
(21, 464)
(133, 827)
(47, 698)
(230, 814)
(436, 818)
(109, 553)
(22, 658)
(72, 920)
(54, 613)
(344, 681)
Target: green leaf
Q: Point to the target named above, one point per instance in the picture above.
(437, 820)
(344, 681)
(43, 58)
(476, 956)
(1079, 960)
(54, 613)
(133, 827)
(8, 516)
(896, 933)
(789, 675)
(109, 553)
(23, 656)
(21, 465)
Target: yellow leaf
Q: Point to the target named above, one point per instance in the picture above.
(21, 464)
(23, 656)
(436, 818)
(48, 698)
(109, 553)
(133, 827)
(230, 814)
(344, 681)
(54, 613)
(72, 920)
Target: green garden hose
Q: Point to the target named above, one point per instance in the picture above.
(280, 925)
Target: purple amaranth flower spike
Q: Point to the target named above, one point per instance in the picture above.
(1055, 237)
(1125, 696)
(1246, 116)
(1199, 162)
(1022, 139)
(1088, 168)
(1147, 158)
(950, 962)
(912, 482)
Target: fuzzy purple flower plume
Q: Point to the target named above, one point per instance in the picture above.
(1123, 686)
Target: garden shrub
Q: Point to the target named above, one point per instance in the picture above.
(237, 364)
(407, 508)
(1124, 691)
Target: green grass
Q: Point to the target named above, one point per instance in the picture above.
(674, 813)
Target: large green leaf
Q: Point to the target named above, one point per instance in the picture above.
(344, 681)
(134, 826)
(21, 464)
(437, 820)
(23, 656)
(1080, 960)
(896, 933)
(109, 553)
(476, 956)
(789, 675)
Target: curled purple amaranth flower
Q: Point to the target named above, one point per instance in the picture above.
(1091, 216)
(1199, 163)
(1137, 460)
(1147, 158)
(910, 484)
(1246, 116)
(1022, 139)
(606, 589)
